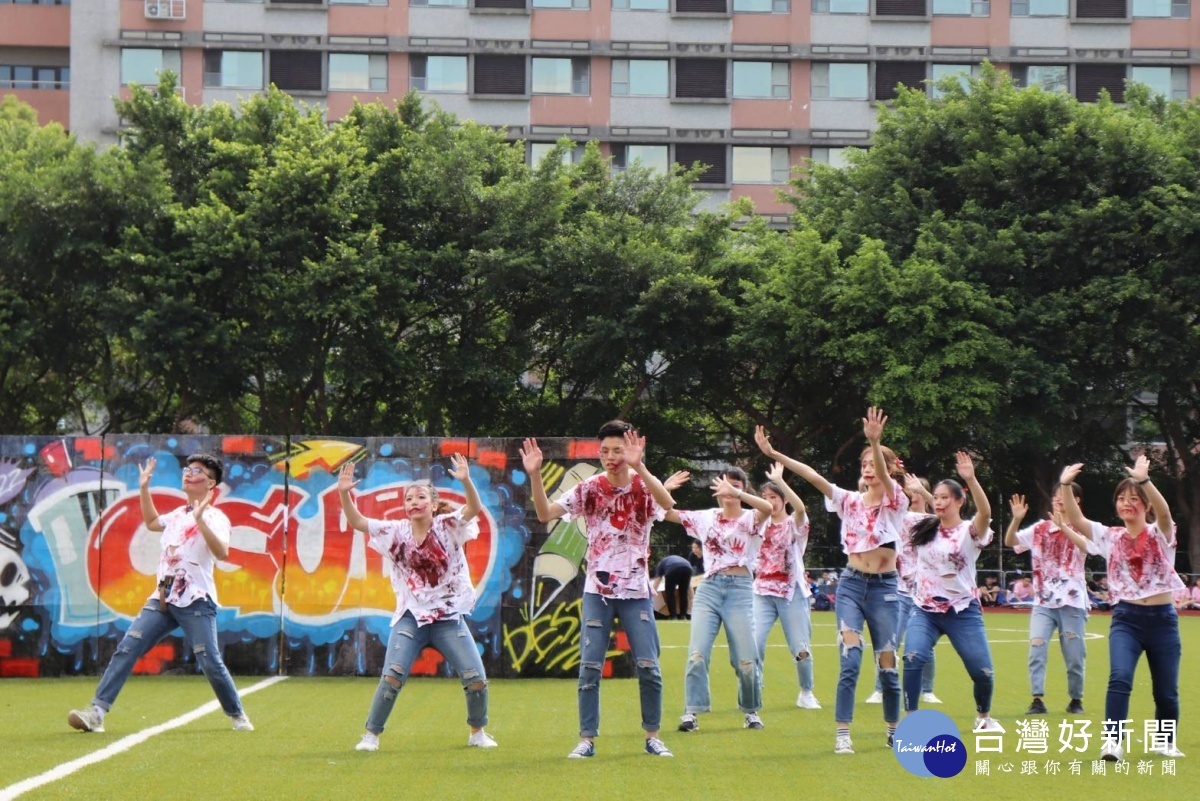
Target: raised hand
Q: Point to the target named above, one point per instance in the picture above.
(873, 424)
(1140, 470)
(763, 440)
(721, 488)
(198, 510)
(913, 484)
(1018, 506)
(531, 456)
(459, 467)
(633, 449)
(346, 480)
(145, 471)
(775, 474)
(1070, 473)
(966, 467)
(677, 480)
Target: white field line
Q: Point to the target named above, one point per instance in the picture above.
(942, 641)
(121, 746)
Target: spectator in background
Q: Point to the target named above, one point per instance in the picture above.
(696, 558)
(1098, 594)
(990, 592)
(1022, 591)
(676, 573)
(1196, 592)
(1182, 597)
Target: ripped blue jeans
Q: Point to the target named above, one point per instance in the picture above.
(637, 619)
(870, 598)
(198, 620)
(723, 600)
(453, 640)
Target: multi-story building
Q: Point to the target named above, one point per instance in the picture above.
(750, 87)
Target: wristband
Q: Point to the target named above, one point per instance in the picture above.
(1144, 481)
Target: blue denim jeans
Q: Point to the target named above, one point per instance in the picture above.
(198, 620)
(1154, 630)
(637, 619)
(871, 598)
(1071, 622)
(453, 640)
(902, 617)
(729, 600)
(968, 636)
(796, 620)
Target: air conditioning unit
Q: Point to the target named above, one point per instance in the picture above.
(166, 9)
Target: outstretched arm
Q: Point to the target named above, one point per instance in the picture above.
(1140, 472)
(723, 489)
(531, 459)
(983, 507)
(462, 471)
(219, 547)
(346, 483)
(1019, 509)
(775, 476)
(797, 467)
(873, 425)
(1070, 505)
(633, 450)
(921, 500)
(149, 513)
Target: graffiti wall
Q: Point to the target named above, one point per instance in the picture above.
(300, 593)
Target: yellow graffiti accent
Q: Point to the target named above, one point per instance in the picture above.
(320, 454)
(551, 473)
(549, 641)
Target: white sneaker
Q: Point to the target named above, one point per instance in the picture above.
(88, 719)
(930, 698)
(807, 700)
(481, 739)
(753, 721)
(242, 723)
(369, 742)
(1111, 751)
(875, 698)
(1171, 751)
(989, 725)
(843, 746)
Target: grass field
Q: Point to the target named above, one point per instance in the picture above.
(307, 728)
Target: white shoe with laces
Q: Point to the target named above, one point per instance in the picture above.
(875, 698)
(843, 745)
(481, 739)
(242, 723)
(1111, 751)
(807, 700)
(1170, 751)
(369, 742)
(988, 725)
(930, 698)
(87, 719)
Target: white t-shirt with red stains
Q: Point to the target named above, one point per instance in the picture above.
(865, 528)
(431, 578)
(1058, 578)
(726, 542)
(616, 522)
(1140, 566)
(945, 574)
(779, 567)
(186, 556)
(906, 557)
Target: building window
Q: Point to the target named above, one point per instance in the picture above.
(438, 73)
(761, 79)
(1101, 9)
(1040, 8)
(233, 69)
(560, 76)
(1050, 77)
(761, 6)
(656, 157)
(365, 2)
(833, 156)
(641, 5)
(439, 3)
(1177, 9)
(841, 6)
(499, 75)
(714, 156)
(20, 76)
(1091, 78)
(296, 70)
(36, 2)
(901, 8)
(962, 8)
(761, 165)
(840, 81)
(509, 4)
(1170, 82)
(539, 151)
(357, 72)
(701, 6)
(561, 3)
(889, 75)
(143, 66)
(700, 78)
(641, 78)
(959, 71)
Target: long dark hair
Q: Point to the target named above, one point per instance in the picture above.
(926, 529)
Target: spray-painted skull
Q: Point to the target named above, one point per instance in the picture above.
(14, 582)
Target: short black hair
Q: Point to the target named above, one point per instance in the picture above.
(210, 463)
(732, 473)
(614, 428)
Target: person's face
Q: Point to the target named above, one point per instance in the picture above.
(1056, 503)
(418, 501)
(696, 549)
(732, 500)
(612, 454)
(775, 499)
(866, 471)
(945, 505)
(1130, 507)
(197, 478)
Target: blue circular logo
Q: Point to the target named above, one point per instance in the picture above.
(927, 743)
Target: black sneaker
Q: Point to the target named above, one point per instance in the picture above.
(1075, 707)
(891, 741)
(688, 723)
(1038, 707)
